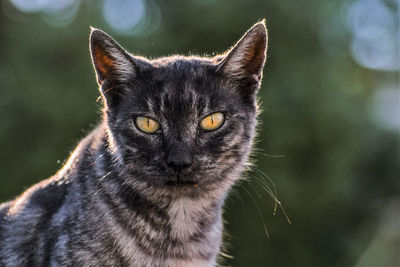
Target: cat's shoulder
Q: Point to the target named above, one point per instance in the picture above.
(47, 195)
(4, 208)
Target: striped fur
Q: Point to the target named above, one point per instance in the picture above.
(117, 201)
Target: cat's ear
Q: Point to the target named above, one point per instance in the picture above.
(110, 60)
(244, 62)
(113, 65)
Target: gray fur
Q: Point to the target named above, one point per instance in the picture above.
(116, 202)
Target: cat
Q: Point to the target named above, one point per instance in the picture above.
(146, 187)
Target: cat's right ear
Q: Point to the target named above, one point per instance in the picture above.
(110, 60)
(113, 65)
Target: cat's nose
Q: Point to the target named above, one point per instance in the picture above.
(179, 157)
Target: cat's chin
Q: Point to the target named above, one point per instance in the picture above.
(182, 188)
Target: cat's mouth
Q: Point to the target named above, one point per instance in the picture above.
(180, 180)
(181, 183)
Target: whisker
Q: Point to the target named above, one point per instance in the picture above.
(269, 179)
(267, 189)
(259, 151)
(96, 159)
(273, 195)
(265, 186)
(104, 186)
(259, 212)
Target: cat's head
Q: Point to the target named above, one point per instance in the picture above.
(181, 125)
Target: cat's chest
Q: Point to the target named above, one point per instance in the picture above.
(192, 263)
(198, 226)
(187, 217)
(189, 235)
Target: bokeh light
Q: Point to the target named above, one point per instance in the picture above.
(375, 35)
(55, 13)
(123, 15)
(43, 5)
(30, 5)
(127, 17)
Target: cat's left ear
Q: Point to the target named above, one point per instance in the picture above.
(245, 61)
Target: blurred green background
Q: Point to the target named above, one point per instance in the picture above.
(329, 137)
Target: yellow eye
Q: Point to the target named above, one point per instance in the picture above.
(212, 122)
(147, 125)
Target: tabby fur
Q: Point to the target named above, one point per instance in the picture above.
(118, 201)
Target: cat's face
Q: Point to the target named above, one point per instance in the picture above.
(181, 125)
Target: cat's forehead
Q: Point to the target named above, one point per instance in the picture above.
(182, 63)
(183, 78)
(183, 68)
(180, 87)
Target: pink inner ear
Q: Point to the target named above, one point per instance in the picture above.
(104, 64)
(254, 52)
